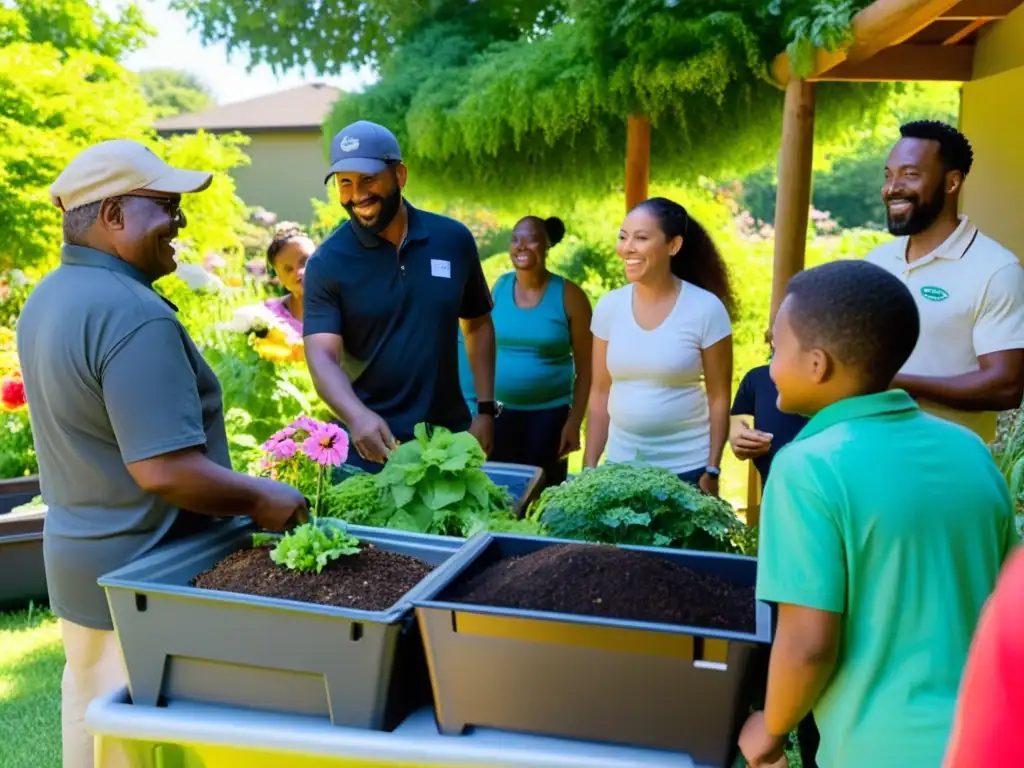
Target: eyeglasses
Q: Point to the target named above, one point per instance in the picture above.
(171, 207)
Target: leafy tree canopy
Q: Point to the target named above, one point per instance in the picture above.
(510, 97)
(328, 34)
(54, 102)
(74, 25)
(173, 91)
(545, 114)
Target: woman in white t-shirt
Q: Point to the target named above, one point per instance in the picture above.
(662, 370)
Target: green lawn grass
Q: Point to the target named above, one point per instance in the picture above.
(31, 662)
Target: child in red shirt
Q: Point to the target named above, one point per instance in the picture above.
(990, 706)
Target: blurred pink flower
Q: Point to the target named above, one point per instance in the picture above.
(284, 449)
(213, 261)
(327, 445)
(306, 423)
(278, 437)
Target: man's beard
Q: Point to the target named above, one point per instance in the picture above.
(388, 210)
(922, 215)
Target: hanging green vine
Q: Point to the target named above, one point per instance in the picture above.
(544, 116)
(824, 26)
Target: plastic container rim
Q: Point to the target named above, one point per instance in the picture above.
(123, 578)
(451, 570)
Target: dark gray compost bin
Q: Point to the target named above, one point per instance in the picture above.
(22, 574)
(15, 491)
(643, 684)
(363, 669)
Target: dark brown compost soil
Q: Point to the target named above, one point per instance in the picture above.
(372, 580)
(605, 581)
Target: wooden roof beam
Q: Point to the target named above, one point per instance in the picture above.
(907, 62)
(989, 10)
(882, 24)
(965, 31)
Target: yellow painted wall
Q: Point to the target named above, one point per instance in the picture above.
(287, 170)
(999, 48)
(991, 116)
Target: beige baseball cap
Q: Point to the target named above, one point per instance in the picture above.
(120, 167)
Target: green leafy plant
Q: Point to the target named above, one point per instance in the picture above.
(826, 27)
(311, 546)
(1008, 452)
(17, 450)
(432, 484)
(636, 503)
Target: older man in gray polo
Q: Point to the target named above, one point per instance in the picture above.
(126, 415)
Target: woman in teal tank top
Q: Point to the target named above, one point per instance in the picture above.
(542, 367)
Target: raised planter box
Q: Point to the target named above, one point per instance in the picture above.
(522, 480)
(651, 685)
(22, 574)
(357, 668)
(15, 491)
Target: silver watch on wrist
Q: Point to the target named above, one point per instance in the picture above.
(713, 471)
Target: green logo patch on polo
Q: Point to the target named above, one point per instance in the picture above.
(934, 293)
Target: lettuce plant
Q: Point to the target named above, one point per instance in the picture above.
(310, 546)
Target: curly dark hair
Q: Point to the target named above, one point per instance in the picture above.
(283, 235)
(954, 148)
(858, 312)
(554, 228)
(698, 260)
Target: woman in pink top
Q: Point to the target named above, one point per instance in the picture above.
(286, 259)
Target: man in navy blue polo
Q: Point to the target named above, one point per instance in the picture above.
(383, 299)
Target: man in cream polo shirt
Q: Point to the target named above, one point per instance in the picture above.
(969, 361)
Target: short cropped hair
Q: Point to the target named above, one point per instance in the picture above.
(859, 313)
(78, 222)
(954, 148)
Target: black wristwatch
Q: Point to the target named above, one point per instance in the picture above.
(488, 408)
(713, 471)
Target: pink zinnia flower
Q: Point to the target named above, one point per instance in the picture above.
(306, 423)
(284, 449)
(276, 438)
(327, 445)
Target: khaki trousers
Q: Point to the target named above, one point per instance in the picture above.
(93, 668)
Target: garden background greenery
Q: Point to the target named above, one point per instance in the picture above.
(517, 108)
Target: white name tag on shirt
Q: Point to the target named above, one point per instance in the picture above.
(440, 268)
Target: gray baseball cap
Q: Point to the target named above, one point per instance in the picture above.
(363, 147)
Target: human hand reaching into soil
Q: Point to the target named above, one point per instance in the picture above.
(372, 437)
(748, 443)
(278, 506)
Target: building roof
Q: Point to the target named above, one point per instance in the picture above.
(896, 40)
(296, 109)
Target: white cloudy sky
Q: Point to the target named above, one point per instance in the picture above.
(178, 48)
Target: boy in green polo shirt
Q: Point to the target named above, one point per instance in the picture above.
(883, 530)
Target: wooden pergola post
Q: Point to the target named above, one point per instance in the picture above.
(792, 210)
(793, 196)
(638, 159)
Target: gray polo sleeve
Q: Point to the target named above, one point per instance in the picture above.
(150, 393)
